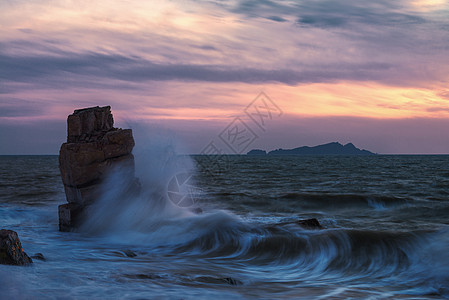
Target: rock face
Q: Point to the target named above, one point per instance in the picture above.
(93, 148)
(11, 252)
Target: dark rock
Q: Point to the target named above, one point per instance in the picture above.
(94, 148)
(310, 224)
(196, 210)
(11, 252)
(149, 276)
(307, 224)
(232, 281)
(69, 216)
(145, 276)
(39, 256)
(257, 152)
(129, 253)
(218, 280)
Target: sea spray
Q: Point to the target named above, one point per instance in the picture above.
(123, 207)
(148, 215)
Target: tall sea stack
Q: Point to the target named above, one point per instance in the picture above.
(94, 147)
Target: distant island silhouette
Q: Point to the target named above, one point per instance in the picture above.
(333, 148)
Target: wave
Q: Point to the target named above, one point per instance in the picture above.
(279, 244)
(151, 220)
(419, 259)
(315, 201)
(408, 257)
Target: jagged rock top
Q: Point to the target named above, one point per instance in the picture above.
(89, 124)
(93, 145)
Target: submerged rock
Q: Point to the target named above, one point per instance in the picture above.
(196, 210)
(39, 256)
(310, 224)
(307, 224)
(11, 252)
(93, 148)
(129, 253)
(150, 276)
(218, 280)
(231, 281)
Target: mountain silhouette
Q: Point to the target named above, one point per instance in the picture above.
(333, 148)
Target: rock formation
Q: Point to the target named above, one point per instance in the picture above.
(333, 148)
(11, 252)
(93, 148)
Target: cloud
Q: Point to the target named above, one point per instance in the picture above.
(444, 94)
(378, 41)
(257, 8)
(205, 47)
(66, 67)
(277, 19)
(14, 107)
(342, 13)
(330, 13)
(438, 109)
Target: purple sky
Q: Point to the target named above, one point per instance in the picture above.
(369, 72)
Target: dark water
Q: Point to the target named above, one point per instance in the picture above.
(386, 230)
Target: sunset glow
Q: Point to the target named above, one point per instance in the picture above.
(206, 61)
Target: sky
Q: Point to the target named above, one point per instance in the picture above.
(229, 75)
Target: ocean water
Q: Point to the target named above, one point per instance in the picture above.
(385, 236)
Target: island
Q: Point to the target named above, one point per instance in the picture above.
(257, 152)
(334, 148)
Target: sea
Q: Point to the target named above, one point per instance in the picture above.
(224, 227)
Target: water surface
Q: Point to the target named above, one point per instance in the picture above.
(386, 230)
